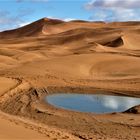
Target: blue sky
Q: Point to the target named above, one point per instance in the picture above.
(16, 13)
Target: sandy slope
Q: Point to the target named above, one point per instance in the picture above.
(76, 56)
(9, 130)
(6, 84)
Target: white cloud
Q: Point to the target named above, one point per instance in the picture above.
(64, 19)
(126, 14)
(115, 10)
(24, 24)
(68, 19)
(127, 4)
(9, 21)
(99, 16)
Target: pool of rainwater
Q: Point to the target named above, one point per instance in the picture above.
(92, 103)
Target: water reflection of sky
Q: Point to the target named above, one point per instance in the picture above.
(115, 102)
(93, 103)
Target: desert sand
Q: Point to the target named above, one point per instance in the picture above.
(51, 56)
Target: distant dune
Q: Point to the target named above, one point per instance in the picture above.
(87, 45)
(48, 38)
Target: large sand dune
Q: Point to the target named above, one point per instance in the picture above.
(74, 56)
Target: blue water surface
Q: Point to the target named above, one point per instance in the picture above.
(92, 103)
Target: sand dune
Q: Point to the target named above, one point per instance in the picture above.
(33, 29)
(96, 66)
(6, 84)
(7, 128)
(96, 49)
(127, 24)
(131, 40)
(74, 56)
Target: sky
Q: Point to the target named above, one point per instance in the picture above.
(17, 13)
